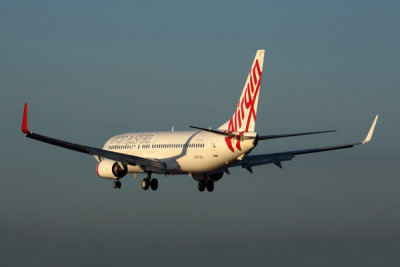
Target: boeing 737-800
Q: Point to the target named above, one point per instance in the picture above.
(205, 154)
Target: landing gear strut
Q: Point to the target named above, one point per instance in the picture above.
(117, 184)
(149, 182)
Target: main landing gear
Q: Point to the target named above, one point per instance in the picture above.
(149, 182)
(202, 185)
(117, 184)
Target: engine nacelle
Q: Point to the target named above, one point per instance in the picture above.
(111, 169)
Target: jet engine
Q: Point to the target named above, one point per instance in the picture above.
(111, 169)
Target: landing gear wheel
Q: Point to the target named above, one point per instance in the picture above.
(145, 184)
(115, 185)
(154, 184)
(201, 186)
(119, 184)
(210, 186)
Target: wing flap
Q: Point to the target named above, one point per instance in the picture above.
(276, 158)
(262, 159)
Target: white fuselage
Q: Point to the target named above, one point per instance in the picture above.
(182, 151)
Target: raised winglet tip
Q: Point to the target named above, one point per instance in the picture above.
(25, 120)
(371, 131)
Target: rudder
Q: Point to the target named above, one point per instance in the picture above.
(244, 117)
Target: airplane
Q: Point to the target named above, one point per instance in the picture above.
(205, 154)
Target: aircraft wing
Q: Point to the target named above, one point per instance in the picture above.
(276, 158)
(147, 164)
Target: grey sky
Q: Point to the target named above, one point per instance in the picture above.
(92, 69)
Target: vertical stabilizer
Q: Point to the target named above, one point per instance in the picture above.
(244, 117)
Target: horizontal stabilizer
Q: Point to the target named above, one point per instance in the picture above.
(266, 137)
(247, 135)
(212, 131)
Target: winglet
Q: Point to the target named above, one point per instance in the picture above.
(371, 131)
(25, 120)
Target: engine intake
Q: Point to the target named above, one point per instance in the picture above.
(111, 169)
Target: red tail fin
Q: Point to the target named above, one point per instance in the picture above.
(244, 117)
